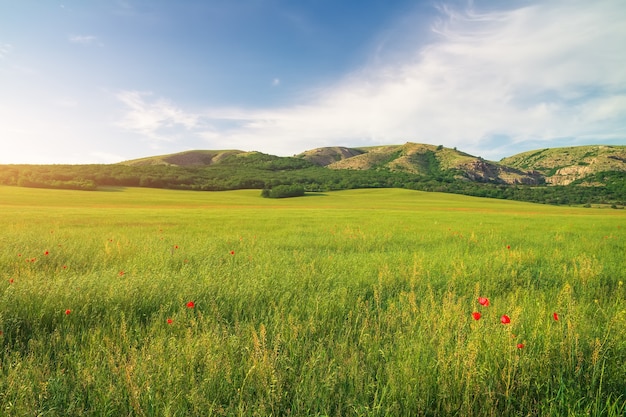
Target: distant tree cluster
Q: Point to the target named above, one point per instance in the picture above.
(283, 191)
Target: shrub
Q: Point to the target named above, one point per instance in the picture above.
(283, 191)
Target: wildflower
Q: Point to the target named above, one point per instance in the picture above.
(175, 246)
(483, 301)
(46, 253)
(555, 316)
(191, 304)
(67, 312)
(476, 315)
(505, 319)
(170, 321)
(121, 273)
(508, 247)
(232, 252)
(11, 281)
(520, 346)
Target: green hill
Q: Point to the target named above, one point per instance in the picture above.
(552, 166)
(562, 166)
(422, 159)
(187, 158)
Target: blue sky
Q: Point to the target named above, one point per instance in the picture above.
(105, 81)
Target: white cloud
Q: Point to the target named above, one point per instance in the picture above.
(154, 119)
(82, 39)
(5, 49)
(540, 73)
(276, 82)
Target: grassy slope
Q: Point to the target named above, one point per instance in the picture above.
(431, 160)
(350, 303)
(561, 165)
(547, 159)
(564, 165)
(188, 158)
(408, 157)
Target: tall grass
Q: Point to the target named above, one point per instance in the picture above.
(355, 303)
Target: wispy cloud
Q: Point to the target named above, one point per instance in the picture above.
(156, 119)
(5, 49)
(540, 74)
(83, 39)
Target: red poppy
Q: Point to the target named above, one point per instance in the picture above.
(175, 246)
(46, 253)
(476, 315)
(191, 304)
(520, 346)
(11, 281)
(505, 319)
(508, 247)
(121, 273)
(232, 252)
(67, 312)
(170, 321)
(483, 301)
(556, 316)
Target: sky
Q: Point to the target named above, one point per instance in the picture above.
(103, 81)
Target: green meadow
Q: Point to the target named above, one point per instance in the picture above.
(145, 302)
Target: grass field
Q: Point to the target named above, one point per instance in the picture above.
(139, 302)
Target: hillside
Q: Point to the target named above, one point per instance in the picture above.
(563, 166)
(553, 166)
(423, 159)
(329, 155)
(187, 158)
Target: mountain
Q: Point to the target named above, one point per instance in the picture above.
(552, 166)
(187, 158)
(562, 166)
(417, 158)
(229, 158)
(327, 156)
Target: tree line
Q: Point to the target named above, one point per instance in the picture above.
(266, 174)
